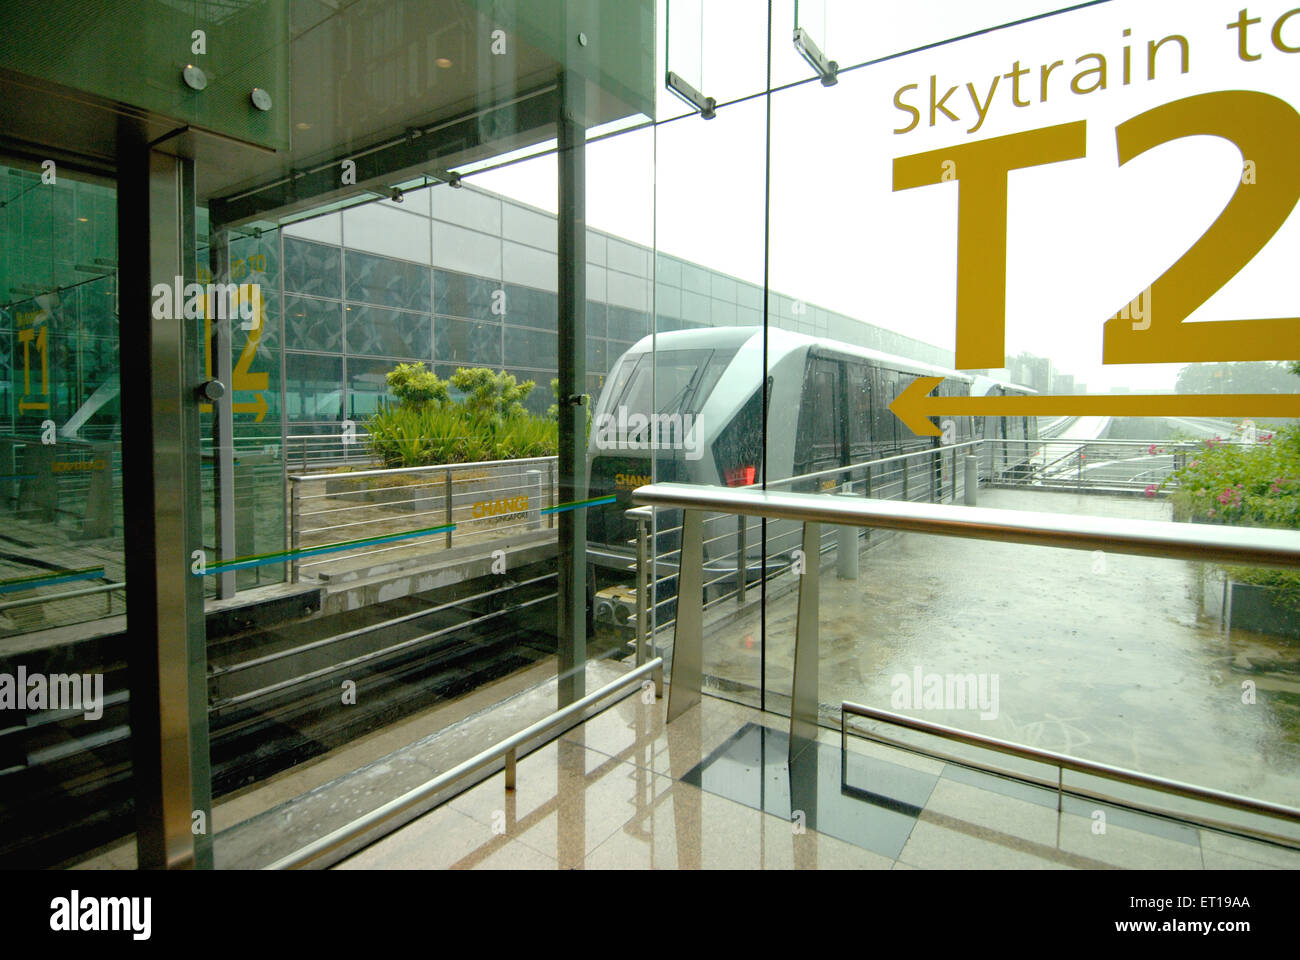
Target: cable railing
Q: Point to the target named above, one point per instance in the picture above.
(399, 514)
(1151, 538)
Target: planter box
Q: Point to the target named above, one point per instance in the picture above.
(1254, 607)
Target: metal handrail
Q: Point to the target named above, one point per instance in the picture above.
(1253, 546)
(389, 471)
(507, 748)
(927, 451)
(1065, 762)
(66, 595)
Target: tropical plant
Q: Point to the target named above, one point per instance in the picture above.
(1245, 485)
(415, 386)
(426, 426)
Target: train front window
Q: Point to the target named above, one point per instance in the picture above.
(681, 380)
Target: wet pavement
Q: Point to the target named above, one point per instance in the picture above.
(1107, 657)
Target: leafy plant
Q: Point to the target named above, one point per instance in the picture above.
(1256, 485)
(415, 386)
(425, 426)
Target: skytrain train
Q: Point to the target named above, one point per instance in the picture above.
(702, 422)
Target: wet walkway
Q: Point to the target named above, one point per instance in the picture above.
(1107, 657)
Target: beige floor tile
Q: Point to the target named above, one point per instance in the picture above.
(568, 799)
(900, 865)
(1226, 861)
(634, 733)
(878, 751)
(994, 811)
(688, 828)
(1222, 844)
(441, 839)
(783, 849)
(949, 844)
(1127, 848)
(517, 856)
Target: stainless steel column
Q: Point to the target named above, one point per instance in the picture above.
(572, 327)
(803, 701)
(688, 634)
(223, 420)
(161, 506)
(972, 481)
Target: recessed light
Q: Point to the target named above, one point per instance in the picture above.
(443, 62)
(83, 219)
(302, 126)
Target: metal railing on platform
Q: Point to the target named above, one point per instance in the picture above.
(507, 750)
(1062, 762)
(383, 512)
(1153, 538)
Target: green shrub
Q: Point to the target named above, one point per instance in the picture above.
(415, 386)
(1256, 486)
(426, 427)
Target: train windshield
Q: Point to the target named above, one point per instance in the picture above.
(681, 380)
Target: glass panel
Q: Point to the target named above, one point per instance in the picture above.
(65, 737)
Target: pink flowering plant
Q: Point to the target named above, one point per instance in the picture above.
(1256, 486)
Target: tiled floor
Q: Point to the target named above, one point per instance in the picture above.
(712, 790)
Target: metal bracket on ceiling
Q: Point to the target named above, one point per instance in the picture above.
(828, 70)
(692, 97)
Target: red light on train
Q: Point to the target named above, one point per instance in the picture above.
(740, 476)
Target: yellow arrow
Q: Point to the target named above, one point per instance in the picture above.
(258, 406)
(914, 406)
(24, 406)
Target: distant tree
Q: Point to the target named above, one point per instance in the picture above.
(415, 386)
(492, 394)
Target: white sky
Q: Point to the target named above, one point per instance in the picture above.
(1084, 237)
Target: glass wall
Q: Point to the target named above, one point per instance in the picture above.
(781, 220)
(63, 718)
(1023, 190)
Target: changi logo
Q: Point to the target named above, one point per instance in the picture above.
(630, 481)
(58, 691)
(933, 691)
(73, 913)
(658, 431)
(506, 508)
(215, 301)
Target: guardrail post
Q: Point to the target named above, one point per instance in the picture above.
(742, 557)
(803, 699)
(643, 599)
(293, 530)
(447, 506)
(846, 547)
(972, 480)
(868, 484)
(534, 499)
(511, 760)
(688, 634)
(905, 472)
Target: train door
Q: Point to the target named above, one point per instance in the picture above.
(821, 443)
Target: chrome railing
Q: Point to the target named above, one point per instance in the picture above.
(1062, 762)
(388, 512)
(507, 750)
(314, 450)
(1153, 538)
